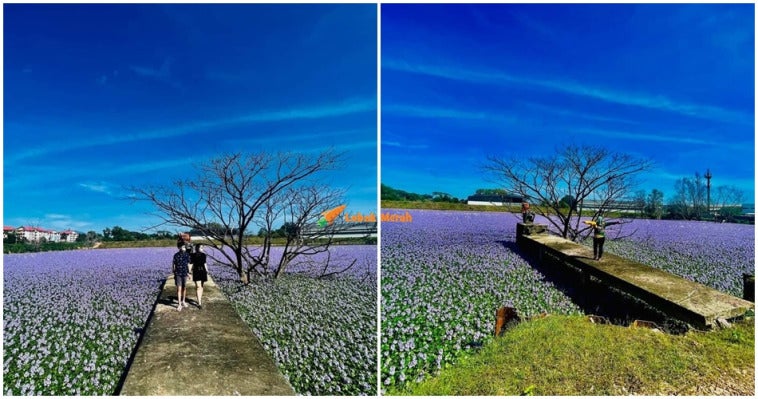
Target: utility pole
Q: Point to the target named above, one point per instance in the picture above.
(708, 176)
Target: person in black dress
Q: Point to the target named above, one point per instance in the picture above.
(199, 272)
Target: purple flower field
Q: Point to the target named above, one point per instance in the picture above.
(69, 320)
(321, 332)
(713, 254)
(69, 317)
(445, 274)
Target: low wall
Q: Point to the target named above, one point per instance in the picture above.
(677, 297)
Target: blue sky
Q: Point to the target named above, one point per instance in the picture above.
(102, 97)
(673, 83)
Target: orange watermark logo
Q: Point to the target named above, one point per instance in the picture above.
(328, 217)
(397, 217)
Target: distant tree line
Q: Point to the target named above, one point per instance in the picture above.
(688, 202)
(393, 194)
(118, 233)
(13, 243)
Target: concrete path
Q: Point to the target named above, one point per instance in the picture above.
(686, 300)
(201, 352)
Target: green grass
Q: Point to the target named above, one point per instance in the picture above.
(568, 355)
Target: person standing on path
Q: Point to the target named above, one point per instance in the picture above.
(199, 272)
(181, 270)
(598, 238)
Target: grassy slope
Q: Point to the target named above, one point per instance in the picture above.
(568, 355)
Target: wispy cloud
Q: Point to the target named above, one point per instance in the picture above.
(326, 111)
(440, 112)
(649, 101)
(348, 147)
(679, 138)
(398, 144)
(161, 74)
(97, 187)
(145, 167)
(63, 222)
(576, 114)
(300, 137)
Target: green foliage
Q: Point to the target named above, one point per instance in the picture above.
(529, 391)
(443, 197)
(391, 194)
(216, 228)
(568, 355)
(491, 191)
(119, 234)
(729, 213)
(39, 247)
(568, 201)
(12, 238)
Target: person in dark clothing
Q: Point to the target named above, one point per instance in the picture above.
(598, 238)
(199, 272)
(181, 271)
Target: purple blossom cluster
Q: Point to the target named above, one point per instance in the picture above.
(443, 277)
(69, 317)
(321, 332)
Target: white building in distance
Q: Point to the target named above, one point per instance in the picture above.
(36, 234)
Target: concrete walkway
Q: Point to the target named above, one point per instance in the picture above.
(686, 300)
(201, 352)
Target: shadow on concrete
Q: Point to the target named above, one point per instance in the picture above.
(595, 298)
(140, 331)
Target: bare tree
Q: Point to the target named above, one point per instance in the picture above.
(654, 205)
(240, 192)
(689, 200)
(639, 201)
(729, 200)
(728, 196)
(595, 177)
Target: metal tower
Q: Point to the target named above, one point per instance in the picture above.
(708, 176)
